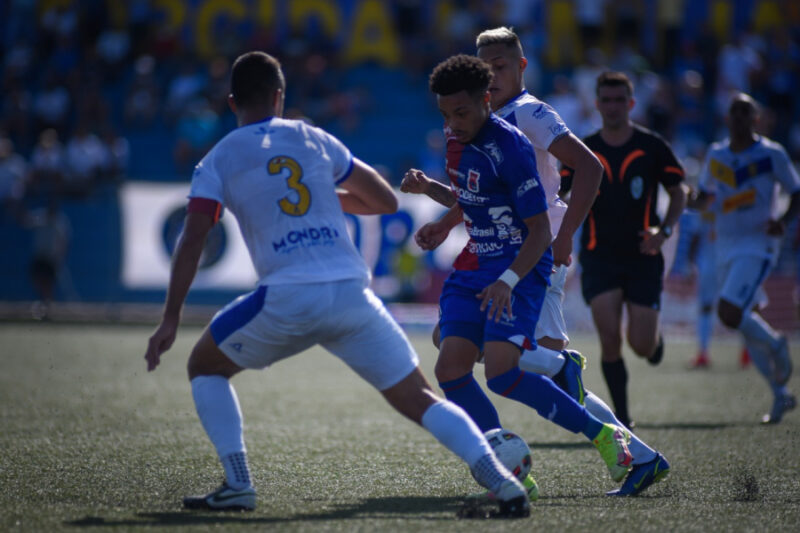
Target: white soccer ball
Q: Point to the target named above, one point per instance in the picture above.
(511, 450)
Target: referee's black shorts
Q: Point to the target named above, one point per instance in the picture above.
(641, 277)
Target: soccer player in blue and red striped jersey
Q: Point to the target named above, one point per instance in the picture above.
(492, 301)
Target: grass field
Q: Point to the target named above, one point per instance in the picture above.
(90, 441)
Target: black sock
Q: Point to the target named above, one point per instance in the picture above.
(617, 380)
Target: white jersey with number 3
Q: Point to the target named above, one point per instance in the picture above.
(745, 188)
(542, 126)
(278, 177)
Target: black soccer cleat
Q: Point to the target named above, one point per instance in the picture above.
(224, 498)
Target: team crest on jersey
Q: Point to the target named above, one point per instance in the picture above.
(472, 180)
(637, 187)
(494, 151)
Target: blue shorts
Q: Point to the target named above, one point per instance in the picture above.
(460, 315)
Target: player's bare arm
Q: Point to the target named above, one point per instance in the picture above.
(365, 192)
(416, 182)
(184, 267)
(655, 237)
(498, 294)
(432, 234)
(586, 181)
(776, 228)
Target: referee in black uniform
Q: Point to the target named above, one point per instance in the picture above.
(620, 256)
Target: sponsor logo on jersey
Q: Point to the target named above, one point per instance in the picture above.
(454, 172)
(637, 187)
(526, 186)
(494, 151)
(484, 248)
(558, 128)
(305, 238)
(539, 112)
(503, 222)
(472, 180)
(472, 231)
(470, 197)
(740, 200)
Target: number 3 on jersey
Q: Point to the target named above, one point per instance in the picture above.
(297, 204)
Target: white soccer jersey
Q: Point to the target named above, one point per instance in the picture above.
(745, 188)
(542, 125)
(278, 177)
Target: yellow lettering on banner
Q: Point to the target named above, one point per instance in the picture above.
(738, 201)
(721, 14)
(327, 12)
(117, 13)
(175, 12)
(265, 12)
(206, 14)
(768, 16)
(373, 36)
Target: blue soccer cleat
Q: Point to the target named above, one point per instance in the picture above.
(781, 404)
(642, 476)
(570, 377)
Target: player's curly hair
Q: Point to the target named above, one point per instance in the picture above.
(460, 73)
(255, 77)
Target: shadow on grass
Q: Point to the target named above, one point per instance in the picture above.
(370, 508)
(559, 445)
(693, 425)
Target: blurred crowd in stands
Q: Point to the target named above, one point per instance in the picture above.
(93, 92)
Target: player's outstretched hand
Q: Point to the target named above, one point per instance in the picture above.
(414, 182)
(497, 297)
(160, 342)
(431, 235)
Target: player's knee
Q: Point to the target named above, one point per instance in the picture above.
(450, 368)
(729, 315)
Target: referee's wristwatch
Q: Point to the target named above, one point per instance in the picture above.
(666, 231)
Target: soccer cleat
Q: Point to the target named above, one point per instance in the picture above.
(642, 476)
(529, 483)
(612, 443)
(570, 377)
(782, 403)
(512, 500)
(701, 361)
(532, 487)
(744, 358)
(783, 362)
(223, 498)
(658, 353)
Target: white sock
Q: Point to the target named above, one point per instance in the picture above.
(642, 453)
(757, 331)
(218, 409)
(705, 326)
(541, 360)
(456, 431)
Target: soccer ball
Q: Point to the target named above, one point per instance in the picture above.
(511, 450)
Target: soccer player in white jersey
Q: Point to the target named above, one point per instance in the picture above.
(279, 178)
(552, 142)
(739, 180)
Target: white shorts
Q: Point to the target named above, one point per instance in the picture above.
(344, 317)
(551, 320)
(741, 278)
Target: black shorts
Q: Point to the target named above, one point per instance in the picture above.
(640, 277)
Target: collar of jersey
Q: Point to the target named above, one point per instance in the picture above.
(257, 123)
(511, 102)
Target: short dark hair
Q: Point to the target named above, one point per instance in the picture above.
(255, 77)
(612, 78)
(501, 35)
(460, 73)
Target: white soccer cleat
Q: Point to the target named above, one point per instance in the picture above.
(224, 498)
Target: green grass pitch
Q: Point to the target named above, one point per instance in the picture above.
(90, 441)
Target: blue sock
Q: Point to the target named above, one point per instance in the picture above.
(467, 394)
(549, 401)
